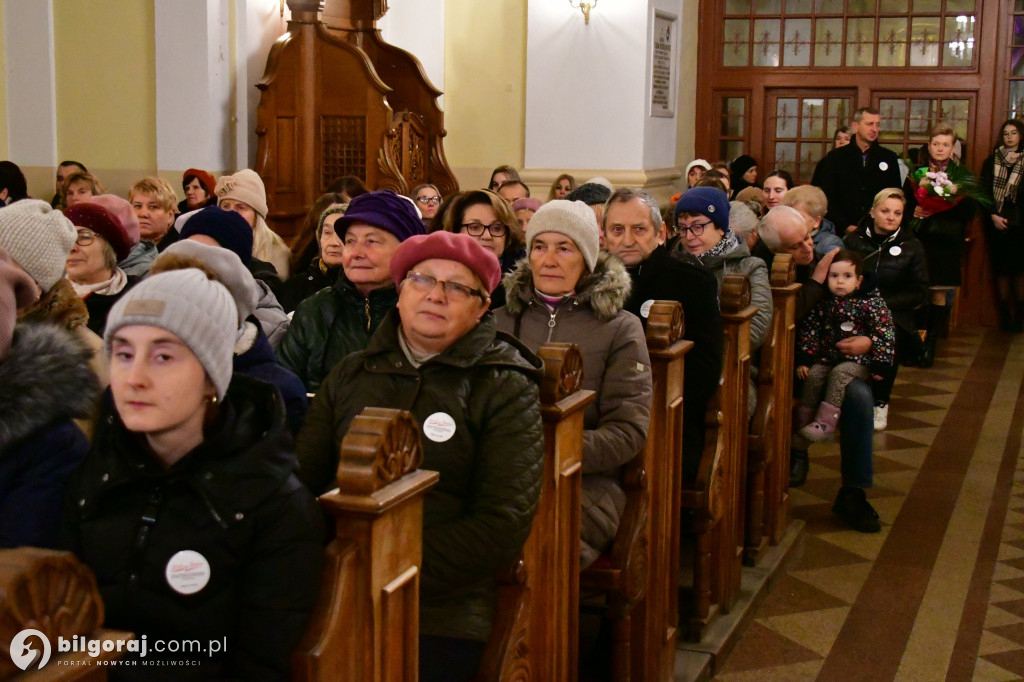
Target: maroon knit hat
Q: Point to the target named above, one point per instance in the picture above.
(458, 247)
(101, 221)
(204, 178)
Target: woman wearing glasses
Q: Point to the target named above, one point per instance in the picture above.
(439, 355)
(487, 218)
(702, 219)
(337, 321)
(92, 264)
(569, 291)
(428, 200)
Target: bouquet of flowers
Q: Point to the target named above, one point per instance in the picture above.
(939, 191)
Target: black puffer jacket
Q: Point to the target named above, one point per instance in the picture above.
(898, 262)
(302, 285)
(235, 500)
(476, 519)
(329, 325)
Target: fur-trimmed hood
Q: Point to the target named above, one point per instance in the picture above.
(45, 377)
(605, 290)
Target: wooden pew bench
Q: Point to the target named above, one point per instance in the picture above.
(767, 498)
(713, 499)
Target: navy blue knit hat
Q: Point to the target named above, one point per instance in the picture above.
(227, 228)
(384, 209)
(709, 201)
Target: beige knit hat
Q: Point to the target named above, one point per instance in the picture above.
(245, 186)
(575, 220)
(191, 306)
(38, 238)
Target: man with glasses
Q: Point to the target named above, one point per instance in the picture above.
(475, 393)
(786, 230)
(853, 174)
(635, 232)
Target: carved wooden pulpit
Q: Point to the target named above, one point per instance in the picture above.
(337, 100)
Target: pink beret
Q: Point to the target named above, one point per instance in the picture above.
(458, 247)
(123, 211)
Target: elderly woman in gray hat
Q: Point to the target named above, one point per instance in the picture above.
(568, 290)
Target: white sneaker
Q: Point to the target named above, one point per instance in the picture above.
(881, 416)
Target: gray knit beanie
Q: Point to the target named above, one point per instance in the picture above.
(575, 220)
(38, 238)
(191, 306)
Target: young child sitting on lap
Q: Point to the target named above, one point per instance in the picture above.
(851, 310)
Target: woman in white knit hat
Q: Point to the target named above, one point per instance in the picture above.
(245, 194)
(567, 290)
(186, 508)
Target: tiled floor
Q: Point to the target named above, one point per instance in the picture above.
(938, 594)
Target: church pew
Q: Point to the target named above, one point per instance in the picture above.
(641, 573)
(366, 622)
(536, 629)
(767, 495)
(664, 462)
(713, 499)
(56, 594)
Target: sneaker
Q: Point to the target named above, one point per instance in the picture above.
(881, 416)
(852, 506)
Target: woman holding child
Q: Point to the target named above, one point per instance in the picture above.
(897, 260)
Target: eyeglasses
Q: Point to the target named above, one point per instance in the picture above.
(453, 291)
(428, 200)
(477, 229)
(697, 229)
(85, 237)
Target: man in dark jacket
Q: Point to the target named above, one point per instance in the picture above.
(853, 174)
(784, 230)
(635, 232)
(475, 391)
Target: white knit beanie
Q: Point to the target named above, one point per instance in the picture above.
(245, 186)
(191, 306)
(575, 220)
(228, 268)
(38, 238)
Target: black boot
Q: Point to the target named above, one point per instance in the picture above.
(937, 316)
(798, 466)
(1006, 321)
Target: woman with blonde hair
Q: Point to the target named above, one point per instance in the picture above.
(561, 187)
(245, 194)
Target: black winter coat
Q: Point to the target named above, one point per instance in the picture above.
(663, 277)
(44, 382)
(476, 519)
(898, 262)
(329, 325)
(302, 285)
(99, 305)
(236, 501)
(850, 182)
(260, 363)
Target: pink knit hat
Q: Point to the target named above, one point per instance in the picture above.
(123, 211)
(17, 290)
(460, 248)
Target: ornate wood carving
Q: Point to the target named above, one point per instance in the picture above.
(783, 270)
(664, 324)
(563, 371)
(735, 295)
(54, 593)
(380, 447)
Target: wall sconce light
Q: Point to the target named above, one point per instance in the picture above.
(584, 6)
